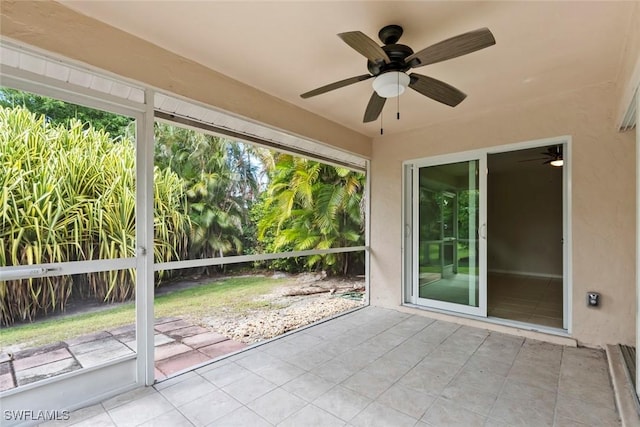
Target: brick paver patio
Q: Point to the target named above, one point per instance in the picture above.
(178, 345)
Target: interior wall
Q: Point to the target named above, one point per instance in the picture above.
(50, 26)
(524, 221)
(602, 197)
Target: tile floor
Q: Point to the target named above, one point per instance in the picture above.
(378, 367)
(525, 299)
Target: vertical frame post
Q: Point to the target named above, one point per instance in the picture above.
(144, 242)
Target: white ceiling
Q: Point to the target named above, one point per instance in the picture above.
(287, 48)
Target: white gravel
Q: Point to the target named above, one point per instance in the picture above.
(290, 312)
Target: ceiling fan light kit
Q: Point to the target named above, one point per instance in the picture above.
(553, 157)
(388, 65)
(391, 84)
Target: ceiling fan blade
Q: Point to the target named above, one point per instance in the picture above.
(452, 48)
(532, 160)
(374, 108)
(436, 89)
(335, 85)
(365, 46)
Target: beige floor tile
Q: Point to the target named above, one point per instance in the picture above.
(447, 413)
(334, 371)
(523, 392)
(140, 410)
(378, 415)
(475, 400)
(392, 372)
(188, 390)
(226, 374)
(535, 374)
(209, 408)
(277, 405)
(241, 417)
(280, 372)
(312, 416)
(488, 364)
(127, 397)
(77, 416)
(405, 400)
(586, 412)
(101, 420)
(175, 380)
(366, 384)
(171, 419)
(523, 412)
(550, 354)
(469, 377)
(566, 422)
(424, 381)
(308, 386)
(248, 388)
(343, 403)
(458, 355)
(594, 391)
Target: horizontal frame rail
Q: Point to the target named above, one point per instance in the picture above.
(173, 265)
(65, 268)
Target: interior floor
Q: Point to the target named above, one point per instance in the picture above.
(536, 300)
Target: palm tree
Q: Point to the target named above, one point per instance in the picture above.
(310, 205)
(221, 180)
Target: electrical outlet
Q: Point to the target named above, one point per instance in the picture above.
(593, 299)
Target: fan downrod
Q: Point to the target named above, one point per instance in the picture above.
(390, 34)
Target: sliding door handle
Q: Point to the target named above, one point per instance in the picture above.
(483, 231)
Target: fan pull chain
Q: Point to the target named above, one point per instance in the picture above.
(381, 130)
(398, 98)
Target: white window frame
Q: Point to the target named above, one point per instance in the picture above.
(88, 385)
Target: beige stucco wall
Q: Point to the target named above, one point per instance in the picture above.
(602, 195)
(55, 28)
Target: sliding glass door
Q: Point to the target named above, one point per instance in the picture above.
(449, 234)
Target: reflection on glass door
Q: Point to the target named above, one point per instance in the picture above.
(449, 232)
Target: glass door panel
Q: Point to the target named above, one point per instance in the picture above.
(449, 260)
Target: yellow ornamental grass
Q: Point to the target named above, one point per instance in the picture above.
(68, 194)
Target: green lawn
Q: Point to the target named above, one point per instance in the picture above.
(230, 295)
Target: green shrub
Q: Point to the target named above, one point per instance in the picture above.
(68, 194)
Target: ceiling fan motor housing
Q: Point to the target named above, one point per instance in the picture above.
(396, 53)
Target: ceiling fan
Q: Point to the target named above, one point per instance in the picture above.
(553, 157)
(389, 64)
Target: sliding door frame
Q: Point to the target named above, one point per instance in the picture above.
(481, 157)
(410, 237)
